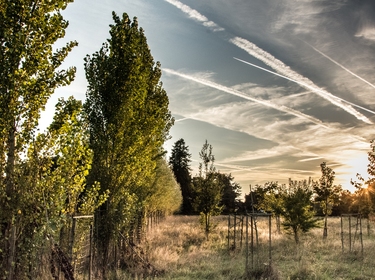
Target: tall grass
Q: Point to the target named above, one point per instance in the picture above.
(179, 249)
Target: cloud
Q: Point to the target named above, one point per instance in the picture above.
(291, 75)
(340, 65)
(274, 63)
(266, 103)
(307, 147)
(367, 32)
(194, 14)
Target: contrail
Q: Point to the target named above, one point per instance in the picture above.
(280, 67)
(340, 65)
(195, 15)
(182, 119)
(281, 108)
(302, 84)
(270, 60)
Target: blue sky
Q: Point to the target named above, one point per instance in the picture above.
(276, 86)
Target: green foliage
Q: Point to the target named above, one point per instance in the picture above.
(272, 201)
(129, 121)
(164, 192)
(52, 184)
(29, 74)
(231, 192)
(207, 187)
(297, 211)
(179, 162)
(326, 193)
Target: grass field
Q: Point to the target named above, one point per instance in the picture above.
(179, 249)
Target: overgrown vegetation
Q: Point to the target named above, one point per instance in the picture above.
(178, 248)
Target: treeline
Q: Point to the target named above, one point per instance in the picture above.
(103, 158)
(299, 205)
(209, 192)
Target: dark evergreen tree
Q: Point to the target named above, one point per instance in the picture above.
(231, 192)
(179, 162)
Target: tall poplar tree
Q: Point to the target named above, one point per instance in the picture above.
(129, 121)
(29, 74)
(179, 162)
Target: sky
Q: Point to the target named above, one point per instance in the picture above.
(275, 86)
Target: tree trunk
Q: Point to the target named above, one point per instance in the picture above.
(10, 191)
(296, 236)
(207, 218)
(325, 230)
(278, 224)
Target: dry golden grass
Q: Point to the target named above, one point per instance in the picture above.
(178, 247)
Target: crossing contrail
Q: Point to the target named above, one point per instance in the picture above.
(271, 61)
(266, 103)
(340, 65)
(286, 71)
(315, 89)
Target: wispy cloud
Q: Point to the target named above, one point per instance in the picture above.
(340, 65)
(320, 92)
(273, 62)
(287, 72)
(266, 103)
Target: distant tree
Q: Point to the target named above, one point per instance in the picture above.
(165, 194)
(30, 71)
(208, 190)
(344, 204)
(231, 192)
(362, 203)
(179, 162)
(129, 121)
(253, 199)
(326, 193)
(297, 209)
(371, 171)
(271, 201)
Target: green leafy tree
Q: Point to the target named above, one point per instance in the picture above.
(208, 189)
(29, 74)
(129, 121)
(326, 193)
(165, 194)
(52, 182)
(344, 204)
(272, 201)
(297, 209)
(179, 162)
